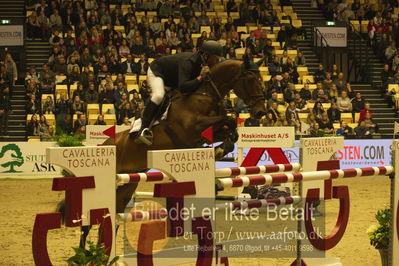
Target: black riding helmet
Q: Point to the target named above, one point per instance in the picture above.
(212, 48)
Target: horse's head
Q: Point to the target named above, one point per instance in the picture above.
(249, 87)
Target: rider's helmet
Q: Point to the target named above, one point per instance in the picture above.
(212, 48)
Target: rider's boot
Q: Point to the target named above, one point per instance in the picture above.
(144, 135)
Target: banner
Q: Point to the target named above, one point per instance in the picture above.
(11, 35)
(95, 134)
(26, 160)
(275, 137)
(357, 153)
(335, 36)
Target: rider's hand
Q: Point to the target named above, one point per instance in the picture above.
(204, 71)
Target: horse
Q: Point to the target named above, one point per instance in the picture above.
(188, 116)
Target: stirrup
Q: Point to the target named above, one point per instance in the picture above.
(145, 137)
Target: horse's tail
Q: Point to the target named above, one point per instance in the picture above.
(61, 209)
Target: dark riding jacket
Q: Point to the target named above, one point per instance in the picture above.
(179, 70)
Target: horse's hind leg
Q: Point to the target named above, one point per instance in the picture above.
(84, 233)
(124, 195)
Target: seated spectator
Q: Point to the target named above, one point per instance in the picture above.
(274, 112)
(366, 110)
(320, 95)
(286, 80)
(107, 95)
(325, 124)
(32, 75)
(74, 75)
(300, 104)
(226, 103)
(289, 93)
(88, 77)
(373, 127)
(91, 95)
(300, 60)
(33, 26)
(124, 108)
(333, 113)
(333, 93)
(32, 106)
(349, 90)
(62, 108)
(128, 67)
(273, 99)
(281, 121)
(357, 103)
(291, 110)
(47, 84)
(311, 120)
(395, 62)
(344, 130)
(45, 130)
(284, 58)
(142, 65)
(362, 131)
(390, 51)
(78, 106)
(305, 93)
(268, 120)
(340, 82)
(48, 106)
(32, 129)
(282, 36)
(318, 110)
(60, 67)
(386, 76)
(293, 121)
(32, 88)
(334, 72)
(344, 103)
(66, 124)
(100, 121)
(327, 82)
(5, 77)
(120, 89)
(124, 49)
(86, 59)
(315, 131)
(79, 92)
(79, 123)
(320, 74)
(251, 122)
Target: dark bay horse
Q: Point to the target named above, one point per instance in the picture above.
(188, 116)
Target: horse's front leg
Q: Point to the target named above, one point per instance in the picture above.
(224, 130)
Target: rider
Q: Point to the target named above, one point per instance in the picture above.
(184, 71)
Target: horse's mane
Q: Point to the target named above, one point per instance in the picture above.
(227, 67)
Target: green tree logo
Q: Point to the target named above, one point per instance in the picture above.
(11, 155)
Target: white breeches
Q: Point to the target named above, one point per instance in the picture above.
(157, 87)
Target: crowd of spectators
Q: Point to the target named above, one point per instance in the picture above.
(323, 106)
(99, 45)
(8, 76)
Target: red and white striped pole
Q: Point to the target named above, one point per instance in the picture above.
(251, 204)
(246, 181)
(143, 215)
(221, 172)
